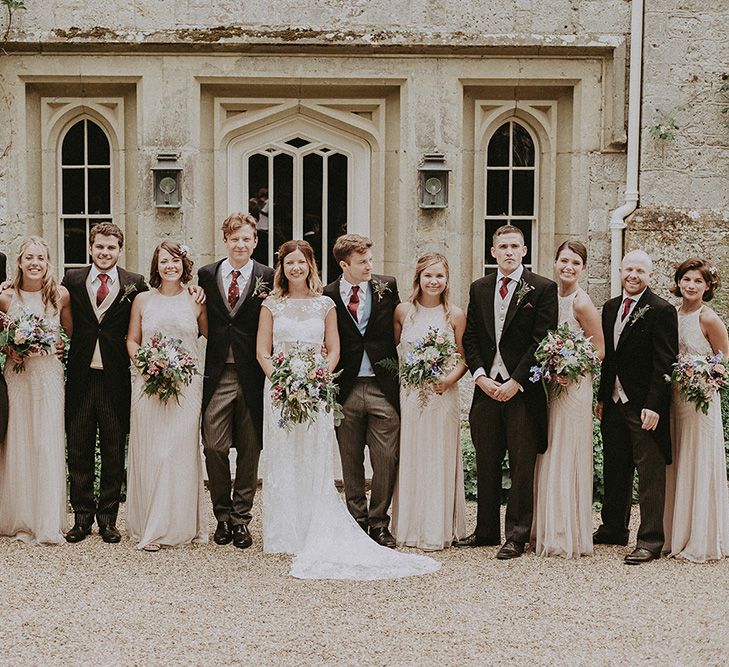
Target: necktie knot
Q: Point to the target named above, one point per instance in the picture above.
(626, 307)
(104, 277)
(504, 289)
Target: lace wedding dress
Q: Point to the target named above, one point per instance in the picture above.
(302, 511)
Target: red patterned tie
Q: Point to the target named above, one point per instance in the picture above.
(504, 290)
(103, 290)
(626, 308)
(233, 290)
(353, 304)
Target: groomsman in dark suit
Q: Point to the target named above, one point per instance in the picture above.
(509, 312)
(233, 386)
(370, 395)
(98, 382)
(641, 344)
(3, 385)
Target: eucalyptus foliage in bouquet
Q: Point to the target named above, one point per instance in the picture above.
(28, 335)
(166, 367)
(563, 354)
(302, 385)
(433, 356)
(698, 378)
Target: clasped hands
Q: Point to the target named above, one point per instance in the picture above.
(648, 418)
(499, 391)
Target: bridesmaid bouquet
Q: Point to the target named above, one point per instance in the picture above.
(166, 366)
(698, 378)
(28, 335)
(566, 354)
(430, 360)
(302, 386)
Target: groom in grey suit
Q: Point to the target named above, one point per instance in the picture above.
(232, 404)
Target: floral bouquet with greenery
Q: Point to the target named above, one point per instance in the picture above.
(433, 356)
(166, 366)
(698, 378)
(27, 335)
(302, 385)
(563, 356)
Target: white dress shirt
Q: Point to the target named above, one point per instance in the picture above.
(620, 324)
(345, 291)
(245, 275)
(94, 277)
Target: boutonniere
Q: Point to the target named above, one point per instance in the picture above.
(638, 313)
(128, 290)
(522, 291)
(261, 288)
(380, 288)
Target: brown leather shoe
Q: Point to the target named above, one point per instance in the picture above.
(241, 537)
(510, 550)
(382, 536)
(640, 555)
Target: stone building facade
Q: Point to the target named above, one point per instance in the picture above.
(316, 116)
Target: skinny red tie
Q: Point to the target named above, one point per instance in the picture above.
(626, 308)
(353, 304)
(103, 290)
(233, 290)
(504, 290)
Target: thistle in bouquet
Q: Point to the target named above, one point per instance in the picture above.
(564, 356)
(432, 357)
(698, 378)
(27, 335)
(302, 386)
(166, 367)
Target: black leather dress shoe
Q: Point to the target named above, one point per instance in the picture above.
(510, 550)
(223, 533)
(640, 555)
(382, 536)
(603, 537)
(474, 541)
(110, 534)
(78, 532)
(241, 537)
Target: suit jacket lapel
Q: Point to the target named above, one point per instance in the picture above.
(488, 307)
(82, 287)
(514, 303)
(125, 279)
(611, 312)
(628, 328)
(337, 297)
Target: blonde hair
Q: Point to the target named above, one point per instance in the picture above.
(281, 282)
(49, 287)
(427, 260)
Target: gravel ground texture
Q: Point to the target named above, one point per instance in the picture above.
(101, 604)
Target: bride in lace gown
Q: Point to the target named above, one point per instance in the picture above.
(33, 457)
(562, 524)
(696, 518)
(165, 495)
(303, 514)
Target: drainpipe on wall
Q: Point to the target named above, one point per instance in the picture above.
(617, 217)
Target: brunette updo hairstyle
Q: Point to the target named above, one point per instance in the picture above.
(708, 273)
(576, 247)
(281, 282)
(176, 250)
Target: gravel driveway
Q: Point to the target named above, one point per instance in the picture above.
(94, 603)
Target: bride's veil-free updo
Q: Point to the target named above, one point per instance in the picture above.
(281, 282)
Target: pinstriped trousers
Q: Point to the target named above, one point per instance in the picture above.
(227, 422)
(97, 409)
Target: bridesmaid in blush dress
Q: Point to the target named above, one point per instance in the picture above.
(696, 517)
(429, 505)
(562, 523)
(165, 501)
(33, 459)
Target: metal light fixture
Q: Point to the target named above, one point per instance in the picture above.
(433, 181)
(167, 181)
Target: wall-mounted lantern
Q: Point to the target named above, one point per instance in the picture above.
(167, 181)
(433, 179)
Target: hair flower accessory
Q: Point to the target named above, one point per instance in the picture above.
(184, 250)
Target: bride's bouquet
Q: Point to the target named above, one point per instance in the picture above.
(27, 335)
(302, 385)
(564, 355)
(698, 378)
(432, 357)
(166, 367)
